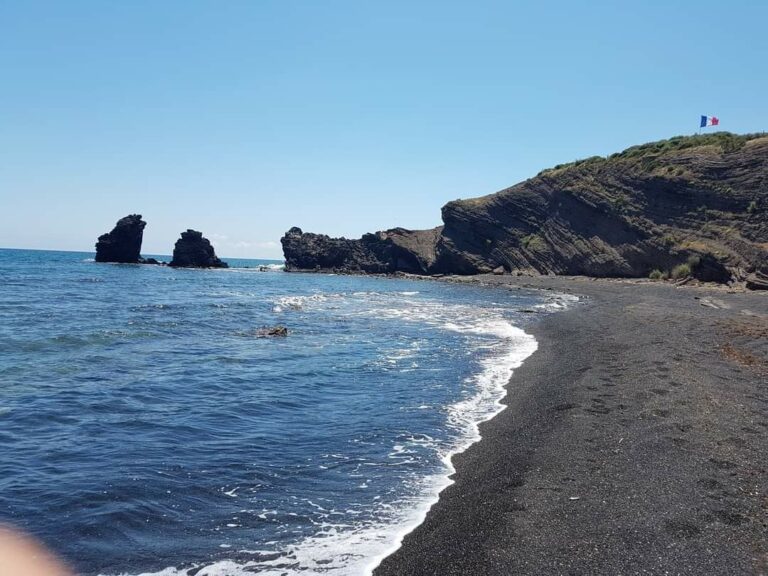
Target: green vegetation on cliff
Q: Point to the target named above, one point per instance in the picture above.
(725, 142)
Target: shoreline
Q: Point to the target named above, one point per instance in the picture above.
(526, 346)
(634, 441)
(522, 346)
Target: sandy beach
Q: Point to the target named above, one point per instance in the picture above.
(635, 442)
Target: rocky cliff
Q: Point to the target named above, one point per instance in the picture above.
(696, 204)
(192, 250)
(389, 251)
(123, 243)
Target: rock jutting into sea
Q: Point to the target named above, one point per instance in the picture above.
(389, 251)
(193, 250)
(688, 206)
(123, 243)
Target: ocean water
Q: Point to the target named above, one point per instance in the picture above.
(145, 428)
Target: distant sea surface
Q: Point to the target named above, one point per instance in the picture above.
(145, 428)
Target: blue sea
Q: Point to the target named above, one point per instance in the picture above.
(146, 428)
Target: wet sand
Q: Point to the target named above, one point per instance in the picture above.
(635, 441)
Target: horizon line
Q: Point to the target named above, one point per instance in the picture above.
(169, 256)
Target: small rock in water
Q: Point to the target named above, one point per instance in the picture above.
(192, 250)
(150, 261)
(278, 330)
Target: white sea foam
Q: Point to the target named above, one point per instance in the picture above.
(260, 268)
(347, 550)
(468, 414)
(299, 302)
(273, 267)
(557, 302)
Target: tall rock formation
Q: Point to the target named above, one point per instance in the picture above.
(123, 243)
(192, 250)
(696, 201)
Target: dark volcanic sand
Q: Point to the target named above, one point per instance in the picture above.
(635, 442)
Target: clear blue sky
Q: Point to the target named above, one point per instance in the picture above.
(244, 118)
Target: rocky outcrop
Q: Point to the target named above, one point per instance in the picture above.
(192, 250)
(651, 207)
(123, 243)
(757, 281)
(699, 201)
(389, 251)
(151, 261)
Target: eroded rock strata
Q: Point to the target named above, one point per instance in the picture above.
(689, 205)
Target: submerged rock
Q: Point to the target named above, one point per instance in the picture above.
(123, 243)
(151, 261)
(278, 330)
(192, 250)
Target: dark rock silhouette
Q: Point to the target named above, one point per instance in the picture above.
(395, 250)
(192, 250)
(271, 331)
(696, 199)
(123, 243)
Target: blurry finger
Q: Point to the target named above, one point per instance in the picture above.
(22, 556)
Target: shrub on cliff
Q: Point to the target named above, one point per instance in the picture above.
(680, 271)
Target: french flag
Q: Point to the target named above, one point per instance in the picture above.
(709, 121)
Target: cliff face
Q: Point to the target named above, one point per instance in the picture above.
(699, 201)
(383, 252)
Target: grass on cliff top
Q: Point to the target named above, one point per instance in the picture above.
(648, 155)
(725, 141)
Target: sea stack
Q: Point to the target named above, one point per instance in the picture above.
(192, 250)
(123, 243)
